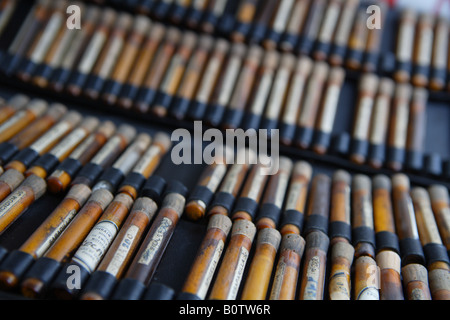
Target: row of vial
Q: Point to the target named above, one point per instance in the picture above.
(336, 31)
(166, 72)
(392, 241)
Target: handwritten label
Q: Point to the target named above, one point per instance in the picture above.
(234, 287)
(122, 250)
(95, 245)
(11, 201)
(312, 279)
(156, 241)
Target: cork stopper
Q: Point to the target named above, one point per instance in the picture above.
(173, 35)
(189, 39)
(73, 118)
(420, 194)
(400, 180)
(108, 16)
(342, 176)
(127, 132)
(157, 31)
(124, 199)
(206, 42)
(12, 178)
(369, 83)
(303, 168)
(344, 250)
(174, 201)
(141, 24)
(255, 54)
(80, 193)
(221, 222)
(222, 45)
(142, 141)
(245, 228)
(102, 196)
(36, 183)
(163, 140)
(18, 101)
(107, 128)
(426, 18)
(409, 14)
(403, 91)
(288, 61)
(145, 205)
(320, 70)
(90, 123)
(124, 21)
(271, 59)
(337, 75)
(420, 95)
(238, 49)
(317, 239)
(415, 272)
(44, 3)
(286, 164)
(387, 259)
(269, 236)
(439, 281)
(361, 182)
(293, 242)
(438, 193)
(57, 110)
(304, 65)
(387, 87)
(381, 182)
(92, 13)
(60, 5)
(37, 106)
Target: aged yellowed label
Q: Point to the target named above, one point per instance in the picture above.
(312, 279)
(237, 277)
(11, 201)
(155, 243)
(51, 237)
(209, 273)
(122, 250)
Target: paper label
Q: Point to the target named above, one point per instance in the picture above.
(101, 156)
(363, 119)
(92, 53)
(237, 277)
(50, 136)
(312, 279)
(11, 201)
(122, 250)
(56, 231)
(230, 78)
(209, 273)
(68, 143)
(95, 245)
(155, 242)
(278, 280)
